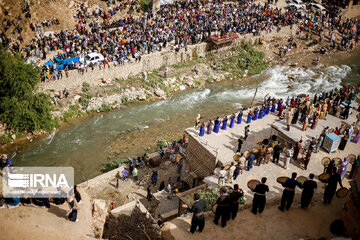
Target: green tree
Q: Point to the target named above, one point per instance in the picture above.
(21, 107)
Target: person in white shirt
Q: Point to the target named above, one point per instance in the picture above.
(222, 175)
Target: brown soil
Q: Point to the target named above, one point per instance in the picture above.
(297, 223)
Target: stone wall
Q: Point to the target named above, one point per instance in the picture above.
(150, 62)
(199, 161)
(351, 212)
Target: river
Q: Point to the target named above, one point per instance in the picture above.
(85, 144)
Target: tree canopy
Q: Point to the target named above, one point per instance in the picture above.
(21, 107)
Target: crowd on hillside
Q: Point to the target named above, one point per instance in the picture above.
(183, 23)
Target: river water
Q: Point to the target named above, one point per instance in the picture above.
(84, 144)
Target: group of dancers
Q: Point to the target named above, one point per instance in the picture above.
(218, 123)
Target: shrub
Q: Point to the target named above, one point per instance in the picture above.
(85, 87)
(210, 196)
(114, 164)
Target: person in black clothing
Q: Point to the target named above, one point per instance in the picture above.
(329, 167)
(246, 129)
(235, 196)
(222, 210)
(197, 209)
(276, 155)
(331, 186)
(77, 194)
(308, 191)
(289, 192)
(346, 111)
(240, 143)
(149, 194)
(259, 199)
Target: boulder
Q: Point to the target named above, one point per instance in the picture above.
(145, 76)
(77, 97)
(71, 4)
(160, 93)
(142, 96)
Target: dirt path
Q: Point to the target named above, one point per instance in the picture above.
(297, 223)
(44, 223)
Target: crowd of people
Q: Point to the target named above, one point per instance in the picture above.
(178, 25)
(39, 200)
(306, 111)
(296, 110)
(227, 204)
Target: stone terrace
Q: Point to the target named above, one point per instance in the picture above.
(225, 143)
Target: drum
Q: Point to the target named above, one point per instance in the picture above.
(236, 157)
(246, 154)
(274, 143)
(255, 150)
(342, 192)
(282, 179)
(284, 149)
(338, 161)
(227, 166)
(325, 161)
(213, 209)
(301, 179)
(324, 177)
(217, 171)
(252, 184)
(351, 158)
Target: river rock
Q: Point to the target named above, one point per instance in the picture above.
(77, 97)
(71, 4)
(160, 93)
(142, 96)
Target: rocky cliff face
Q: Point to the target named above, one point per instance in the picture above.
(351, 212)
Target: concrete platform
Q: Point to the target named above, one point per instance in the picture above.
(224, 144)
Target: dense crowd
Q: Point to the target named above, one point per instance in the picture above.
(126, 39)
(296, 110)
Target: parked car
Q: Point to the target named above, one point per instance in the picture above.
(62, 61)
(297, 3)
(297, 7)
(316, 7)
(93, 58)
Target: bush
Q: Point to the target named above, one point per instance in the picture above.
(114, 164)
(162, 143)
(74, 111)
(85, 87)
(21, 108)
(105, 107)
(84, 100)
(210, 196)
